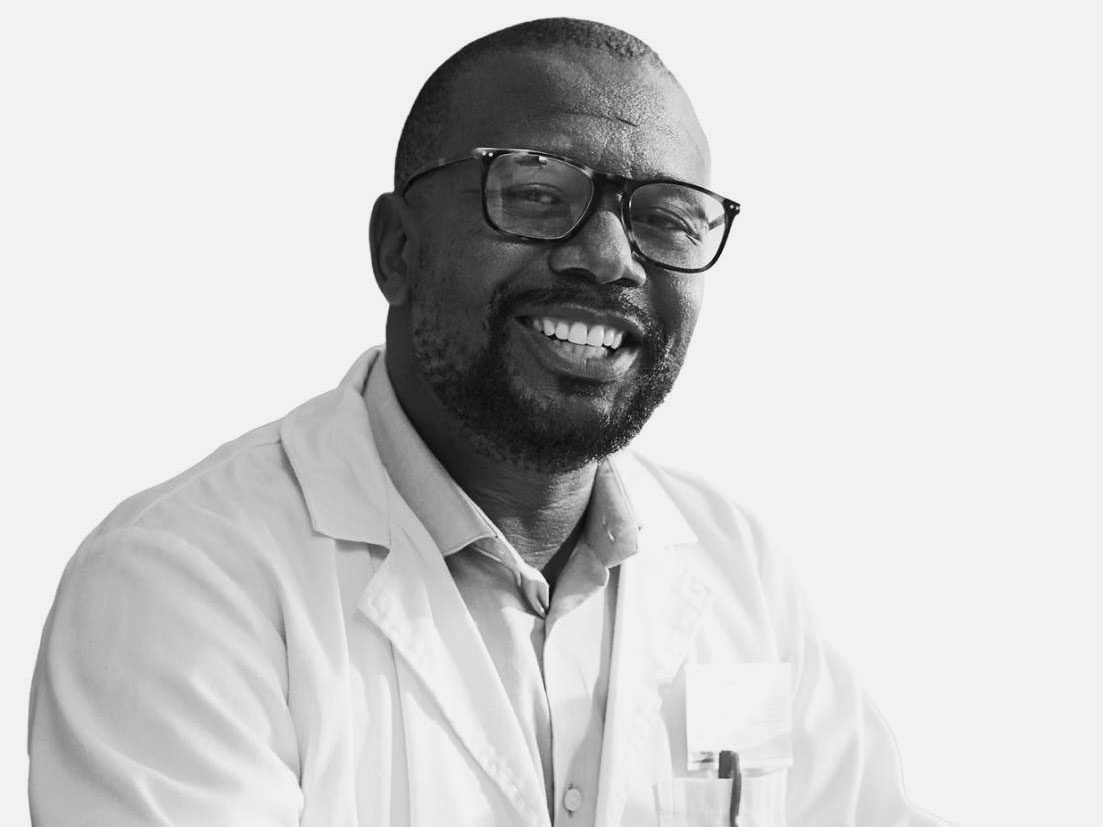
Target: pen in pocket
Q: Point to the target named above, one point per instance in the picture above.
(729, 768)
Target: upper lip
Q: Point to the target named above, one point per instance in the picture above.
(588, 315)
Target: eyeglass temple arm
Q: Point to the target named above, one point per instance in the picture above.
(437, 164)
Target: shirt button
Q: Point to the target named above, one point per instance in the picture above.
(572, 799)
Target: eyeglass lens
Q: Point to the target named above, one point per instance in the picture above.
(545, 198)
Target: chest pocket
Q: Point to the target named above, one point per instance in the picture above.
(706, 802)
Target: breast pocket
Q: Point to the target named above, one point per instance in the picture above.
(706, 802)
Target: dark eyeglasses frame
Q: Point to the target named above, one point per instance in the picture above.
(624, 187)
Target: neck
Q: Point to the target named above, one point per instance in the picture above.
(539, 512)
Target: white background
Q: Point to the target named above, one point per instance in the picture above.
(898, 368)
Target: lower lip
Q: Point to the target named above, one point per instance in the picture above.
(613, 365)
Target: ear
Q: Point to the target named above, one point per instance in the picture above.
(390, 250)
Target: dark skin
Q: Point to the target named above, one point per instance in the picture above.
(438, 263)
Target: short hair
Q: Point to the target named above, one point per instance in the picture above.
(425, 125)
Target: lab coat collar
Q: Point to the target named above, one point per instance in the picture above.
(328, 441)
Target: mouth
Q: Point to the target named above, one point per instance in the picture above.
(583, 344)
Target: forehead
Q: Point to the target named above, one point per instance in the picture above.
(612, 114)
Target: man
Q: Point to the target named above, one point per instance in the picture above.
(442, 593)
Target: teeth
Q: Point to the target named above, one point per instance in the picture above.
(579, 333)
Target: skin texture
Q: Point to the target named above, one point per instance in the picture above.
(456, 288)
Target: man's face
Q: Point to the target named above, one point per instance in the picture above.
(481, 303)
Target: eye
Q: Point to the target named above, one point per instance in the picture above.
(533, 195)
(668, 223)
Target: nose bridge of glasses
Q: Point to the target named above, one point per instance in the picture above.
(605, 213)
(607, 195)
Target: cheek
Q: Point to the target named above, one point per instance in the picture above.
(458, 269)
(459, 252)
(679, 298)
(464, 262)
(441, 260)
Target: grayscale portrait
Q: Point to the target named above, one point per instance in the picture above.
(553, 551)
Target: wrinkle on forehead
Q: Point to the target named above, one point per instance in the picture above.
(620, 115)
(608, 115)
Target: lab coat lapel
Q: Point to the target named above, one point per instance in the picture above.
(414, 602)
(660, 601)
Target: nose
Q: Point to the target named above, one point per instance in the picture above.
(599, 250)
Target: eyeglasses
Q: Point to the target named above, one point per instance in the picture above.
(543, 197)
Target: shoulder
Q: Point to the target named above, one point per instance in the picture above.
(239, 511)
(200, 531)
(240, 472)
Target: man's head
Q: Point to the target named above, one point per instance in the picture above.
(474, 312)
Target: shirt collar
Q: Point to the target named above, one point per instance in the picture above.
(452, 519)
(610, 525)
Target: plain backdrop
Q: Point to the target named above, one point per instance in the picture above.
(897, 369)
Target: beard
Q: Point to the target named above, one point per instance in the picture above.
(508, 422)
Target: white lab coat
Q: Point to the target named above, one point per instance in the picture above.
(272, 638)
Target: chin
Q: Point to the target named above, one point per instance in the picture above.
(555, 435)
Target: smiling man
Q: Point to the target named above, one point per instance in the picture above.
(445, 592)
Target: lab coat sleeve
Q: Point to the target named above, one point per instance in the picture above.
(159, 696)
(846, 768)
